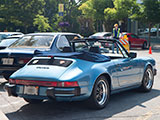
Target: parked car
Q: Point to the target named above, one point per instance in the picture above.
(84, 71)
(9, 40)
(4, 35)
(101, 35)
(135, 41)
(21, 51)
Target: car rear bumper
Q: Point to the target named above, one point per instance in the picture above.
(11, 89)
(45, 92)
(10, 69)
(154, 72)
(62, 92)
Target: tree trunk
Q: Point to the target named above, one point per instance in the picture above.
(97, 26)
(149, 35)
(158, 30)
(104, 28)
(25, 30)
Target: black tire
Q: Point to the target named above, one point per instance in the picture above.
(100, 94)
(144, 46)
(33, 101)
(148, 80)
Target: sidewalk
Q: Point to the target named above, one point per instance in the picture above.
(3, 116)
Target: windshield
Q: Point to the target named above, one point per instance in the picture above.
(37, 41)
(108, 48)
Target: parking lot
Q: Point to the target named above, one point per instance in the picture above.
(129, 105)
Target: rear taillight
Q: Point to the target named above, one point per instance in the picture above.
(12, 81)
(67, 84)
(45, 83)
(23, 60)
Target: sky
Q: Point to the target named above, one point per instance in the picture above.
(139, 1)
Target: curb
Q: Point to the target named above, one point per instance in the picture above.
(3, 116)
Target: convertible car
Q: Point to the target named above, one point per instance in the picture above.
(86, 71)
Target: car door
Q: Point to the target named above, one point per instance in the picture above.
(128, 70)
(136, 41)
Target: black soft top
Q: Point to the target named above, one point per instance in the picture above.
(84, 55)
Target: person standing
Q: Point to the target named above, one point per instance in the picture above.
(115, 34)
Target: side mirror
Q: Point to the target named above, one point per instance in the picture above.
(132, 55)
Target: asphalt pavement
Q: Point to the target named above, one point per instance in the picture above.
(128, 105)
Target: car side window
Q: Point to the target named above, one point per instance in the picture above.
(134, 36)
(62, 42)
(107, 35)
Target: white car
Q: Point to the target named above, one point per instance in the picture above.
(4, 35)
(100, 35)
(9, 40)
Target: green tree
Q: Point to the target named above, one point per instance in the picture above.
(51, 10)
(95, 9)
(123, 9)
(149, 13)
(21, 12)
(70, 15)
(42, 23)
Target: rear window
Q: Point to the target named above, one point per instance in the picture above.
(33, 42)
(7, 42)
(54, 62)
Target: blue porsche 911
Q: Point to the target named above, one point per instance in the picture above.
(88, 70)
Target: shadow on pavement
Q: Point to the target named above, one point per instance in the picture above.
(2, 86)
(78, 110)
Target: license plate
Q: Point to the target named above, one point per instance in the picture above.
(31, 90)
(7, 61)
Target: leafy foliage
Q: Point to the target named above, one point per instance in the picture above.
(152, 11)
(42, 23)
(94, 9)
(83, 17)
(21, 12)
(122, 9)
